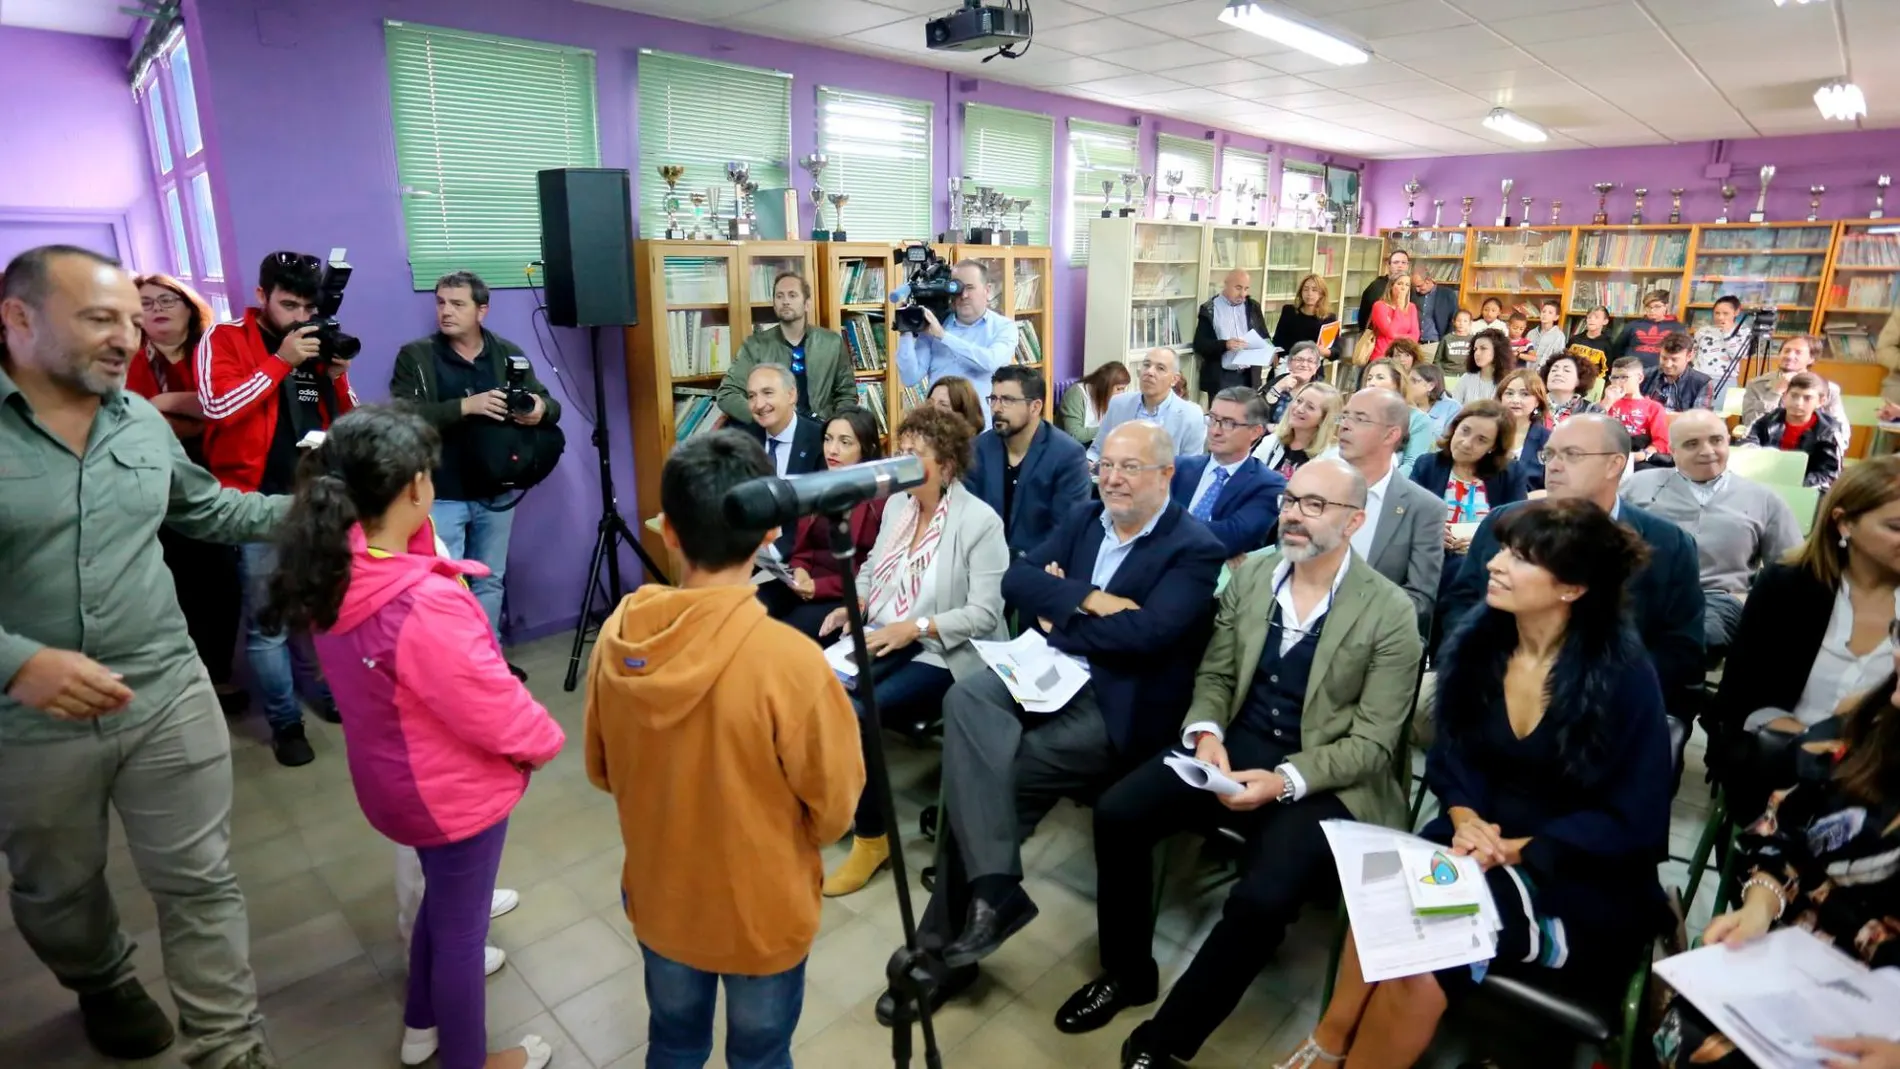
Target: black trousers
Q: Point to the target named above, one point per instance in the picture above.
(205, 575)
(807, 616)
(1285, 863)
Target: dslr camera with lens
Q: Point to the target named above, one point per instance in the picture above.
(928, 283)
(333, 343)
(519, 398)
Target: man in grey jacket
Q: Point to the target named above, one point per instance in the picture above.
(1403, 537)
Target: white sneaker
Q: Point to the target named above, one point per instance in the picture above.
(539, 1053)
(493, 958)
(418, 1045)
(504, 901)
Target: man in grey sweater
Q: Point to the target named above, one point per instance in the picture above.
(1738, 525)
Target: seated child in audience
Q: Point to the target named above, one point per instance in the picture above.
(1800, 425)
(1647, 421)
(1518, 330)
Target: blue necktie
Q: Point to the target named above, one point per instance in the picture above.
(771, 453)
(1204, 508)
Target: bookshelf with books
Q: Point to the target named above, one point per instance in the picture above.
(1231, 247)
(1365, 261)
(1863, 287)
(1614, 266)
(853, 298)
(1436, 250)
(1289, 259)
(1520, 266)
(1021, 289)
(1759, 263)
(1145, 282)
(1329, 262)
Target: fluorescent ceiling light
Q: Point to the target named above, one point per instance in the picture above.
(1784, 3)
(1255, 19)
(1841, 101)
(1511, 124)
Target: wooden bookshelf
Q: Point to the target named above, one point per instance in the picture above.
(1145, 283)
(1365, 261)
(1615, 265)
(1760, 263)
(1021, 288)
(1520, 266)
(1290, 255)
(1437, 250)
(855, 279)
(1862, 288)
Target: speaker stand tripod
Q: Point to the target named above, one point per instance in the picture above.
(611, 532)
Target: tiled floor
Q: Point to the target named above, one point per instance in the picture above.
(330, 964)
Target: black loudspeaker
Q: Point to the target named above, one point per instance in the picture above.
(587, 246)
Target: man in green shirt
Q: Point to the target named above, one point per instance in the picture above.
(102, 696)
(818, 358)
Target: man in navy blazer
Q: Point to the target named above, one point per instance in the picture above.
(1587, 456)
(1236, 496)
(1127, 584)
(794, 443)
(1029, 472)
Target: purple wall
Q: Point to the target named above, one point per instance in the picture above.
(1846, 163)
(75, 141)
(296, 109)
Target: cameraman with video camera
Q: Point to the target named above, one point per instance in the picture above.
(466, 381)
(265, 382)
(973, 343)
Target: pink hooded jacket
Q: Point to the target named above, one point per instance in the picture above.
(440, 735)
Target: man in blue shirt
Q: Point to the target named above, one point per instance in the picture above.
(1235, 495)
(973, 344)
(1154, 399)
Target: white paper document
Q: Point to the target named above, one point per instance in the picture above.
(1201, 775)
(1774, 997)
(1393, 940)
(843, 660)
(1041, 679)
(1440, 882)
(1258, 353)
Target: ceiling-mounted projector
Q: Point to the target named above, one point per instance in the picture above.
(977, 28)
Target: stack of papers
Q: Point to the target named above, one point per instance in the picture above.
(1441, 883)
(1201, 775)
(1392, 939)
(1039, 678)
(843, 659)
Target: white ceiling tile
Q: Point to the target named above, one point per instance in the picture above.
(1241, 43)
(1489, 11)
(1177, 100)
(1182, 18)
(1328, 7)
(1390, 19)
(1297, 62)
(1163, 55)
(841, 16)
(1441, 105)
(1047, 66)
(1123, 7)
(1319, 98)
(1128, 86)
(906, 36)
(1560, 26)
(1225, 72)
(1096, 36)
(1377, 72)
(1433, 46)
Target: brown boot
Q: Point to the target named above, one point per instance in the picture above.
(867, 857)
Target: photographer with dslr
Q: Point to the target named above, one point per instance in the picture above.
(265, 382)
(973, 343)
(460, 381)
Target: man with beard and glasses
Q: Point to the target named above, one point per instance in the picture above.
(821, 366)
(105, 701)
(1301, 698)
(1028, 472)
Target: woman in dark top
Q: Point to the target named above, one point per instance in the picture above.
(1552, 769)
(1301, 320)
(816, 588)
(1471, 471)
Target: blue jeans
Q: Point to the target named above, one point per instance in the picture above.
(276, 659)
(473, 531)
(761, 1013)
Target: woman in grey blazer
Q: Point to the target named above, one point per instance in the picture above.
(931, 583)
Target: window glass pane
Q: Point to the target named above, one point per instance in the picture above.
(1098, 153)
(187, 101)
(207, 220)
(175, 216)
(1297, 178)
(1012, 152)
(1195, 161)
(1239, 165)
(161, 133)
(475, 117)
(879, 149)
(702, 115)
(220, 307)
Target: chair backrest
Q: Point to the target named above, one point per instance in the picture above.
(1765, 465)
(1862, 411)
(1731, 401)
(1451, 382)
(1804, 500)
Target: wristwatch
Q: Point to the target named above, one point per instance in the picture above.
(923, 626)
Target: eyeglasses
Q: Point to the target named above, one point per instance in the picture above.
(164, 302)
(1360, 419)
(1312, 506)
(997, 400)
(296, 259)
(1572, 456)
(1224, 425)
(1128, 468)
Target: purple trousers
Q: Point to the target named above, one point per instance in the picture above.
(446, 989)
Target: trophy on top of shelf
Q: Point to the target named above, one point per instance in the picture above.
(1524, 221)
(1556, 207)
(1504, 205)
(1814, 205)
(814, 165)
(1242, 187)
(1253, 216)
(715, 198)
(1465, 203)
(1194, 203)
(954, 234)
(1760, 214)
(1728, 197)
(671, 173)
(1880, 197)
(1636, 217)
(838, 201)
(1019, 205)
(982, 231)
(1603, 202)
(1173, 179)
(1108, 198)
(1675, 205)
(1438, 211)
(1142, 208)
(698, 199)
(1411, 196)
(1129, 206)
(739, 174)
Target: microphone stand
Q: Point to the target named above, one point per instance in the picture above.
(913, 970)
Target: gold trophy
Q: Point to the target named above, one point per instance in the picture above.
(1675, 205)
(671, 173)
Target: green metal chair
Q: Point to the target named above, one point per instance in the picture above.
(1765, 465)
(1804, 500)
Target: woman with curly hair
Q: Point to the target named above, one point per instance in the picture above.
(1567, 383)
(1489, 360)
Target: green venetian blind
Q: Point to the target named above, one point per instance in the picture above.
(1098, 153)
(879, 149)
(1013, 152)
(475, 117)
(1254, 168)
(701, 115)
(1193, 158)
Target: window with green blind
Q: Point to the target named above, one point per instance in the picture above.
(1098, 152)
(879, 149)
(1014, 153)
(701, 115)
(475, 117)
(1194, 159)
(1298, 177)
(1254, 168)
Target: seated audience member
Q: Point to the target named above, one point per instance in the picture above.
(1738, 524)
(1568, 380)
(1302, 320)
(1156, 400)
(954, 394)
(1642, 338)
(1552, 765)
(1821, 858)
(1406, 354)
(1230, 491)
(730, 750)
(1489, 361)
(1308, 430)
(1086, 400)
(1425, 391)
(441, 736)
(1302, 696)
(1522, 395)
(931, 584)
(1454, 348)
(1720, 345)
(1221, 331)
(1401, 537)
(1800, 426)
(1302, 365)
(794, 442)
(1585, 459)
(1646, 421)
(1594, 341)
(1025, 470)
(1673, 382)
(1472, 473)
(1765, 391)
(1547, 337)
(1491, 317)
(851, 437)
(819, 361)
(1517, 330)
(1388, 374)
(1127, 583)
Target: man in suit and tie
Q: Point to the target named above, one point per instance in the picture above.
(794, 443)
(1302, 698)
(1126, 583)
(1236, 496)
(1028, 472)
(1403, 537)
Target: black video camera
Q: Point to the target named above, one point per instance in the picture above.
(333, 343)
(928, 283)
(519, 398)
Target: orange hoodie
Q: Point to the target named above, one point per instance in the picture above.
(732, 754)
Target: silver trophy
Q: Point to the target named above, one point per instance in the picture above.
(1880, 197)
(1242, 187)
(1504, 205)
(1108, 198)
(1556, 206)
(1524, 221)
(1194, 203)
(715, 198)
(1636, 217)
(1130, 180)
(739, 174)
(838, 201)
(1173, 179)
(981, 232)
(1411, 196)
(1760, 214)
(1253, 217)
(1814, 204)
(1728, 198)
(1603, 203)
(814, 165)
(955, 233)
(1438, 212)
(1019, 205)
(698, 198)
(748, 205)
(1465, 203)
(1675, 205)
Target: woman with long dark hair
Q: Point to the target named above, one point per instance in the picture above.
(955, 394)
(1552, 768)
(1471, 471)
(1087, 398)
(441, 737)
(816, 587)
(1489, 360)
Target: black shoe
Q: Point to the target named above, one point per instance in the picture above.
(125, 1023)
(291, 747)
(1098, 1002)
(234, 702)
(955, 982)
(989, 926)
(326, 710)
(518, 672)
(1140, 1053)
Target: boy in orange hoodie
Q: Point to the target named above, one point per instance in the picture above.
(733, 757)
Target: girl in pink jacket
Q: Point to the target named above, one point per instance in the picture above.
(441, 737)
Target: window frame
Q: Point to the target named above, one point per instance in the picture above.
(1040, 215)
(1194, 148)
(1286, 212)
(1081, 208)
(923, 212)
(1259, 165)
(650, 200)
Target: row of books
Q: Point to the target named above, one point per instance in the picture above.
(697, 346)
(1520, 281)
(1868, 250)
(1156, 243)
(1229, 251)
(864, 336)
(1621, 298)
(1636, 251)
(1865, 291)
(1548, 254)
(1028, 345)
(1849, 341)
(695, 280)
(863, 282)
(1760, 264)
(1028, 286)
(1750, 292)
(693, 412)
(1803, 237)
(1150, 326)
(871, 399)
(762, 274)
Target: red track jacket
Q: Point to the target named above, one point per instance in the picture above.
(238, 380)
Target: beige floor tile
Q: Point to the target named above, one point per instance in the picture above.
(608, 1019)
(289, 902)
(572, 960)
(548, 906)
(373, 1041)
(367, 871)
(848, 1044)
(301, 951)
(510, 1000)
(567, 1055)
(311, 1011)
(848, 964)
(597, 879)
